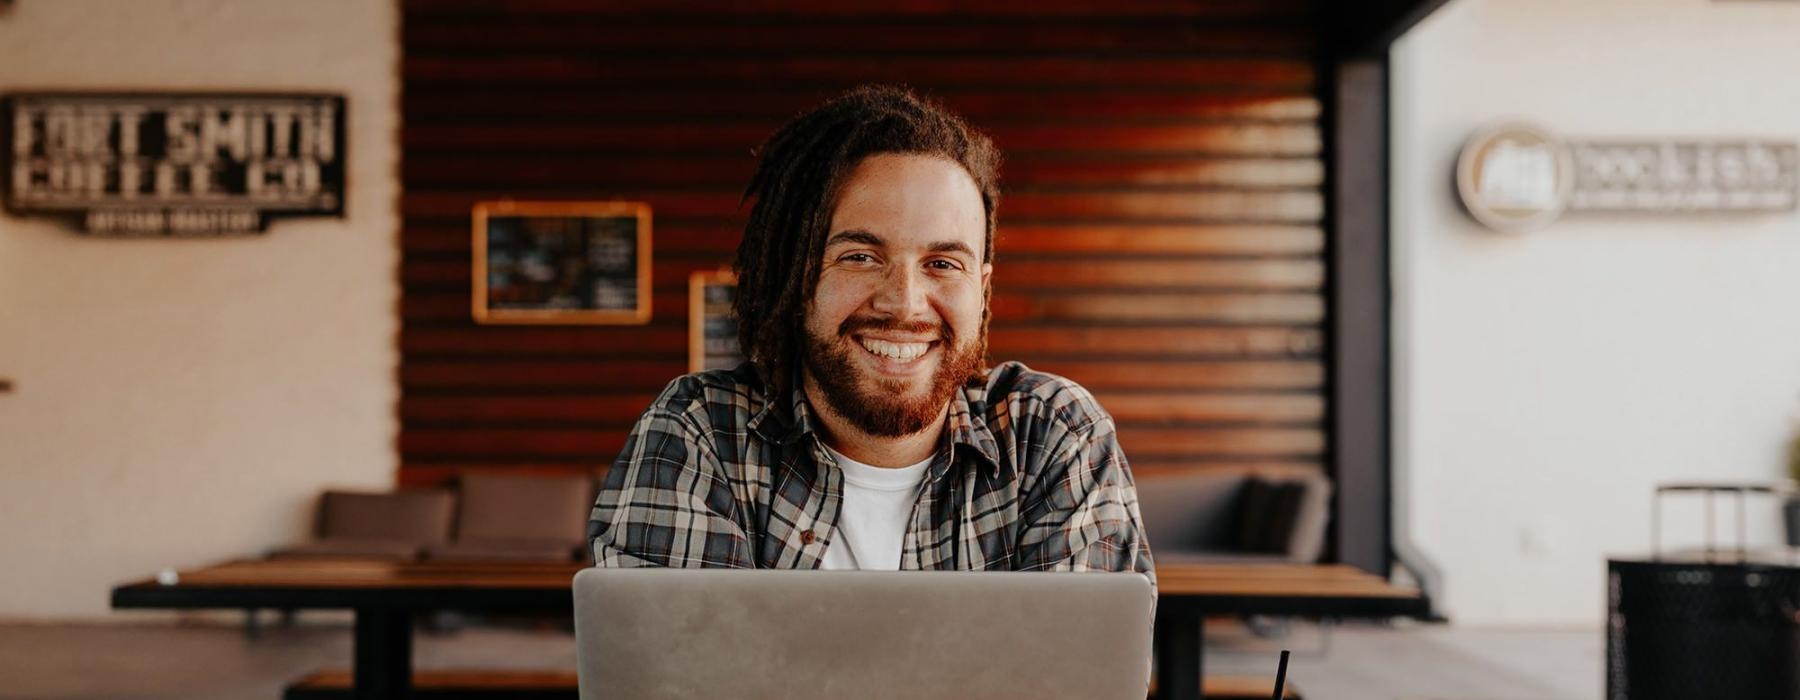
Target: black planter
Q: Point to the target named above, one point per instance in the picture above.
(1791, 509)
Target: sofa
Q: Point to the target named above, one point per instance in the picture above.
(1235, 516)
(518, 518)
(395, 526)
(488, 517)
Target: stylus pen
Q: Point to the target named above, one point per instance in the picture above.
(1281, 674)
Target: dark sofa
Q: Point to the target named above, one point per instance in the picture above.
(1235, 516)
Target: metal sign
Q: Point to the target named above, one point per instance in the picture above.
(181, 164)
(1515, 177)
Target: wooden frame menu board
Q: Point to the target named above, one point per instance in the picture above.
(561, 263)
(712, 329)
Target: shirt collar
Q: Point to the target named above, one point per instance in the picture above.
(965, 428)
(967, 424)
(782, 426)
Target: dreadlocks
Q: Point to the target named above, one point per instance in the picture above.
(796, 187)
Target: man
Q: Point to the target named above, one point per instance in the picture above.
(863, 432)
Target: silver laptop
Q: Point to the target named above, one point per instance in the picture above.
(699, 633)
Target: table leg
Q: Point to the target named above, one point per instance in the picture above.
(1179, 637)
(383, 654)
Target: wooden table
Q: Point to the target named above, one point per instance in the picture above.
(1187, 593)
(385, 596)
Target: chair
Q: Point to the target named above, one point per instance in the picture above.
(507, 517)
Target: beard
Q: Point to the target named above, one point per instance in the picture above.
(883, 407)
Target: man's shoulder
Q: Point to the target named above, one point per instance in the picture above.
(714, 395)
(1027, 394)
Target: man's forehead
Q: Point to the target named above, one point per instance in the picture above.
(909, 201)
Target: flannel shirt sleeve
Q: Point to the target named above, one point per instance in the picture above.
(1085, 517)
(666, 500)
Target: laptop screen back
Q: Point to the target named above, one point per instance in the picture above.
(686, 633)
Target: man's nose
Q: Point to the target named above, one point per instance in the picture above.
(902, 294)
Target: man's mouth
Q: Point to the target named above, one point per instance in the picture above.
(895, 350)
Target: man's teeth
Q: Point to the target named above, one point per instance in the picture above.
(897, 351)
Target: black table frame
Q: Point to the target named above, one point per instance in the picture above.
(1181, 627)
(384, 620)
(382, 656)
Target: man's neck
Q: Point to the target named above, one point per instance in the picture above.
(889, 452)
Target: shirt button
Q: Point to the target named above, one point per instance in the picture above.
(806, 537)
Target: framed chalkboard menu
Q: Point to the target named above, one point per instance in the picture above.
(562, 262)
(712, 329)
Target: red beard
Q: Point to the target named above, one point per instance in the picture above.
(882, 407)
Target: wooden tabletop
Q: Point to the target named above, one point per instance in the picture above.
(318, 584)
(1336, 580)
(1172, 579)
(1326, 589)
(351, 573)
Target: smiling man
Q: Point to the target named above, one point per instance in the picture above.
(865, 431)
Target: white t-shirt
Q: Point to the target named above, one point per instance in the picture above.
(878, 502)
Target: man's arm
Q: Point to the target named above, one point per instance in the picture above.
(1083, 515)
(666, 501)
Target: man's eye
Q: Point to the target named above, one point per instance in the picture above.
(945, 265)
(857, 258)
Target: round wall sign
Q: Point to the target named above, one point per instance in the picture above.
(1514, 177)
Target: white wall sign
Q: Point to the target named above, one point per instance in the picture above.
(1515, 177)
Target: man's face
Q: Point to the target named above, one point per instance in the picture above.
(895, 324)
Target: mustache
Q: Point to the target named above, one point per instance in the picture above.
(877, 323)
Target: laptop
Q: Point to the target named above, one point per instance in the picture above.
(717, 633)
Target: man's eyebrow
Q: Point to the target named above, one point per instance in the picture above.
(866, 238)
(952, 247)
(854, 236)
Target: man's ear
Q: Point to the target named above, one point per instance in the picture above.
(987, 273)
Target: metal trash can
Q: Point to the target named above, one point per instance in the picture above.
(1712, 625)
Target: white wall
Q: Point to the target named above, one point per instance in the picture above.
(1546, 382)
(183, 401)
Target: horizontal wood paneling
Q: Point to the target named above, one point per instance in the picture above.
(667, 339)
(1258, 274)
(1125, 273)
(1050, 171)
(520, 380)
(540, 376)
(849, 36)
(623, 70)
(616, 411)
(1019, 307)
(1160, 238)
(1080, 240)
(1235, 206)
(925, 9)
(1170, 342)
(451, 102)
(1185, 373)
(718, 241)
(601, 446)
(1257, 139)
(426, 473)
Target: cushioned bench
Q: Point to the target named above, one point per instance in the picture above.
(397, 526)
(1220, 516)
(523, 517)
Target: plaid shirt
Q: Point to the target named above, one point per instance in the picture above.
(1029, 477)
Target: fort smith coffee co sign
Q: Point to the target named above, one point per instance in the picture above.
(180, 164)
(1517, 177)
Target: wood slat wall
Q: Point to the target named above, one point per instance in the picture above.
(1160, 232)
